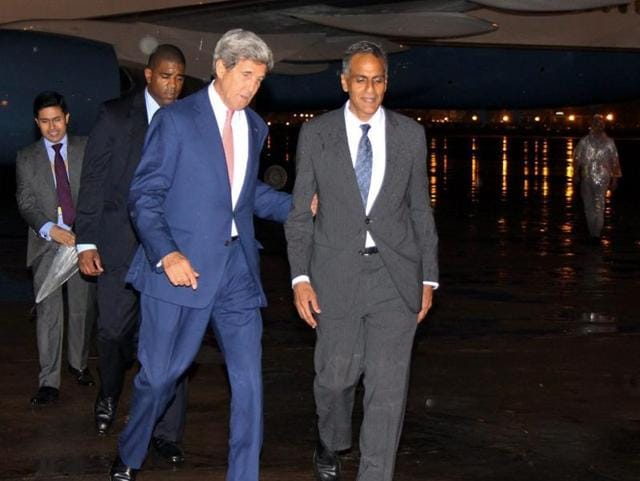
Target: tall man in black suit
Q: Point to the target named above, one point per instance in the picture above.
(107, 241)
(47, 179)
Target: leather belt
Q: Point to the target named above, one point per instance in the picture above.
(367, 251)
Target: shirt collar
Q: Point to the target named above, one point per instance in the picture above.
(48, 144)
(219, 107)
(376, 120)
(151, 104)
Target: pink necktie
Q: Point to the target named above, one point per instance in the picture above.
(227, 143)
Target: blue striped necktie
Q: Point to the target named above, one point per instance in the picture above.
(364, 161)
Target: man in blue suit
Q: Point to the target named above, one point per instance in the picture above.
(192, 202)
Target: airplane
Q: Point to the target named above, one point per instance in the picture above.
(488, 54)
(30, 68)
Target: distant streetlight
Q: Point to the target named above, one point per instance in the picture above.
(609, 117)
(571, 118)
(474, 118)
(506, 118)
(537, 118)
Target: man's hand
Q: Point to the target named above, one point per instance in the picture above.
(179, 270)
(314, 205)
(62, 236)
(427, 300)
(90, 263)
(306, 302)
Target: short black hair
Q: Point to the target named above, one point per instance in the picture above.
(49, 98)
(167, 52)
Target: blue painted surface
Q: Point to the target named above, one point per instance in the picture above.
(475, 77)
(84, 71)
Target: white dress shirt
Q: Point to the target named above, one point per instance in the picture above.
(378, 138)
(151, 104)
(240, 128)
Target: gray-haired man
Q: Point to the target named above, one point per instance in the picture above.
(192, 202)
(364, 271)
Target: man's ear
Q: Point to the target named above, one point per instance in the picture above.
(343, 82)
(148, 73)
(219, 68)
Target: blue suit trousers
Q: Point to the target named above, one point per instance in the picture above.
(169, 340)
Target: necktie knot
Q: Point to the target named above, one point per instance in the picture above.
(365, 128)
(57, 148)
(229, 115)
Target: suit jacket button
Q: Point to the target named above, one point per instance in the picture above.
(367, 221)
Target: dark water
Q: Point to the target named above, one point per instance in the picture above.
(514, 253)
(513, 247)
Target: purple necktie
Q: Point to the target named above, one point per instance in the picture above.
(63, 187)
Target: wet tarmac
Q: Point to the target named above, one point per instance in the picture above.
(528, 367)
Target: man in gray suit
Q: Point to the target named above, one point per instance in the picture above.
(47, 179)
(364, 271)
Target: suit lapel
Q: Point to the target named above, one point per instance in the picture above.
(205, 121)
(394, 152)
(337, 141)
(253, 153)
(74, 160)
(136, 126)
(45, 173)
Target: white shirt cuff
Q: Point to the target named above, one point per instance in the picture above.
(86, 247)
(45, 230)
(299, 279)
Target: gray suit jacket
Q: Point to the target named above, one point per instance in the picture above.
(400, 221)
(36, 192)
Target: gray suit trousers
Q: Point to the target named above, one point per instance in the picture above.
(50, 322)
(374, 340)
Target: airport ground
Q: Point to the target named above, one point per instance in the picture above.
(528, 367)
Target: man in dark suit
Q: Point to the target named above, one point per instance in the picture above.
(107, 240)
(192, 201)
(364, 272)
(48, 175)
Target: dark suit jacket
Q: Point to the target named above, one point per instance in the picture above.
(113, 153)
(400, 220)
(36, 190)
(180, 200)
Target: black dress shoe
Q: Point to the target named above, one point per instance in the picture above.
(121, 472)
(326, 464)
(45, 395)
(168, 450)
(105, 413)
(83, 377)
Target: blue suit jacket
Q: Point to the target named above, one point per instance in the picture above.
(180, 200)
